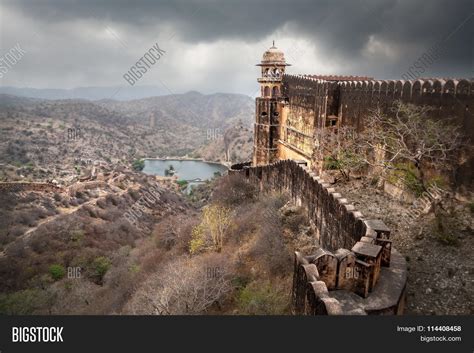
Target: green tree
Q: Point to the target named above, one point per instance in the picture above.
(57, 271)
(170, 171)
(100, 266)
(138, 164)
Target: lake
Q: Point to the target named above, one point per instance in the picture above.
(190, 170)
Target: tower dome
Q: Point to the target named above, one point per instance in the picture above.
(273, 56)
(273, 66)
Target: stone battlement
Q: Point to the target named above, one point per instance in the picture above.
(356, 270)
(287, 126)
(355, 257)
(403, 89)
(340, 77)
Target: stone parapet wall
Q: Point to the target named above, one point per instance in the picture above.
(355, 254)
(338, 223)
(450, 99)
(348, 103)
(26, 186)
(351, 100)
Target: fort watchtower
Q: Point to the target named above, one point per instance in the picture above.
(267, 109)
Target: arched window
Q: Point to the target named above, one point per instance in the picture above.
(276, 73)
(275, 92)
(265, 74)
(266, 91)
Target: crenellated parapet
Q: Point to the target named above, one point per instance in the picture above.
(356, 270)
(417, 91)
(452, 99)
(297, 84)
(309, 104)
(351, 100)
(411, 89)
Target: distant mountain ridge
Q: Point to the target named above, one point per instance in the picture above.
(213, 111)
(90, 93)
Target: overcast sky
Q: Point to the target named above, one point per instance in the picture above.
(213, 46)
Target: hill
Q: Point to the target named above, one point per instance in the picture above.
(43, 139)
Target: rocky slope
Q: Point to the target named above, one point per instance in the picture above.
(440, 262)
(76, 249)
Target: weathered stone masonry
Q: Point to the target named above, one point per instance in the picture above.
(338, 224)
(26, 186)
(350, 101)
(356, 270)
(294, 110)
(368, 279)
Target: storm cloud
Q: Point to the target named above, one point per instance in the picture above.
(213, 46)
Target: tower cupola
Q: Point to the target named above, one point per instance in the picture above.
(273, 66)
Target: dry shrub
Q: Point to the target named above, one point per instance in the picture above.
(111, 199)
(151, 261)
(50, 207)
(165, 233)
(263, 298)
(103, 214)
(27, 218)
(74, 296)
(39, 243)
(91, 211)
(10, 271)
(16, 249)
(134, 194)
(17, 231)
(245, 223)
(233, 190)
(101, 203)
(270, 247)
(174, 233)
(184, 286)
(269, 244)
(8, 200)
(294, 218)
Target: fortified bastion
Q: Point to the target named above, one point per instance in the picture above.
(356, 270)
(293, 110)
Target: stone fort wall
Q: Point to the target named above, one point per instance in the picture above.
(338, 223)
(450, 99)
(352, 100)
(338, 278)
(318, 103)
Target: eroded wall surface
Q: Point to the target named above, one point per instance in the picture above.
(309, 105)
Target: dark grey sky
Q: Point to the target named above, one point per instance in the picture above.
(212, 46)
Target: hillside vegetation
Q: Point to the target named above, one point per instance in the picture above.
(41, 140)
(185, 263)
